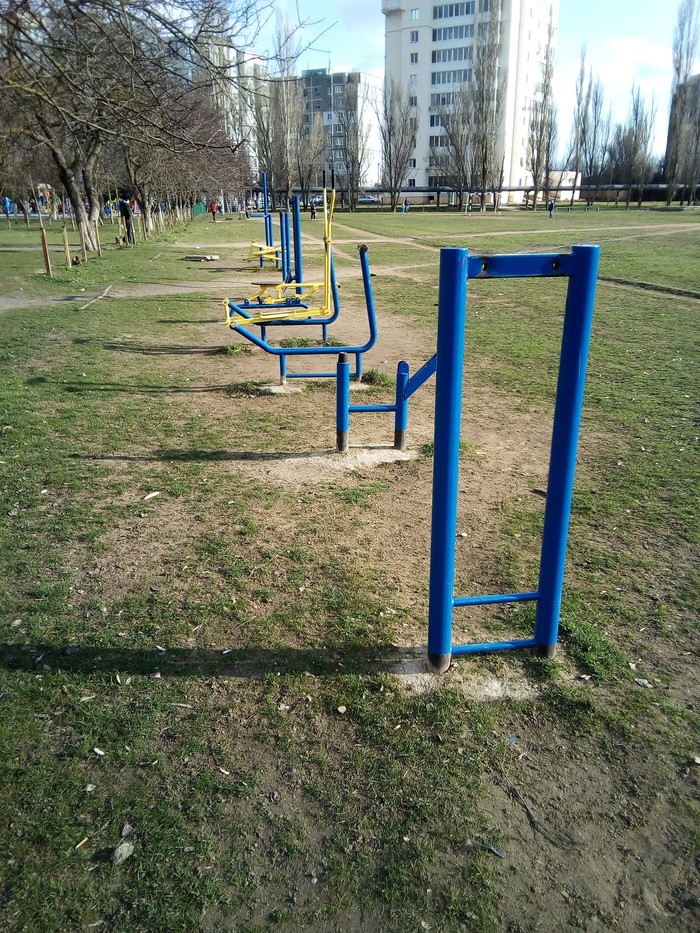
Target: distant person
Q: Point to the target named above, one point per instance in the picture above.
(406, 206)
(213, 207)
(550, 208)
(313, 210)
(127, 215)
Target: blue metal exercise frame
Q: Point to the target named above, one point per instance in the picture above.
(456, 268)
(284, 352)
(406, 386)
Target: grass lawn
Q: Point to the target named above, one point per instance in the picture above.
(216, 662)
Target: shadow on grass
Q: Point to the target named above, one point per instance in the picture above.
(192, 662)
(85, 387)
(154, 349)
(204, 456)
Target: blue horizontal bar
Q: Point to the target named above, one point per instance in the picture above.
(508, 266)
(498, 598)
(494, 646)
(372, 408)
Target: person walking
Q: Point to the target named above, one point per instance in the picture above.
(213, 207)
(313, 210)
(127, 215)
(550, 208)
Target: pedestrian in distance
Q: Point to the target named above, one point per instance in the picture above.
(313, 210)
(550, 208)
(127, 215)
(406, 206)
(213, 207)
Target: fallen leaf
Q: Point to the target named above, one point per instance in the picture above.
(151, 495)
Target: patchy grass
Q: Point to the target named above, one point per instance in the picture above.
(229, 643)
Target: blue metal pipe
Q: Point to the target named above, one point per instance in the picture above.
(365, 408)
(578, 321)
(420, 376)
(497, 598)
(298, 275)
(285, 250)
(452, 319)
(342, 403)
(401, 406)
(494, 646)
(266, 200)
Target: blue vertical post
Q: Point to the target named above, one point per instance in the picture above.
(285, 252)
(266, 199)
(342, 403)
(401, 415)
(452, 318)
(296, 231)
(578, 319)
(269, 234)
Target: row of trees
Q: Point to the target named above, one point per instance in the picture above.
(116, 94)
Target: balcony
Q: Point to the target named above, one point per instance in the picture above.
(393, 6)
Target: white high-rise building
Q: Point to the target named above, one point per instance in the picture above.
(429, 50)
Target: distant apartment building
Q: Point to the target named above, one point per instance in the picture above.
(332, 95)
(429, 51)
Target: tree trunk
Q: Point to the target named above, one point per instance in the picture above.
(69, 180)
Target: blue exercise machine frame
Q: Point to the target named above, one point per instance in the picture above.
(284, 352)
(456, 268)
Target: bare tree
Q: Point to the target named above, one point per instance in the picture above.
(398, 124)
(354, 154)
(488, 95)
(542, 121)
(456, 154)
(310, 153)
(596, 138)
(686, 37)
(631, 146)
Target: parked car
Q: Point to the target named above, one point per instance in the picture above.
(368, 199)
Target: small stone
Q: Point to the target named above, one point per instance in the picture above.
(342, 709)
(121, 853)
(127, 830)
(641, 682)
(89, 788)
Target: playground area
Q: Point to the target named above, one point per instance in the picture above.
(215, 624)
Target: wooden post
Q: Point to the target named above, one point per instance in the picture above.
(97, 237)
(45, 250)
(83, 244)
(66, 247)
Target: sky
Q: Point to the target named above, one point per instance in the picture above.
(626, 41)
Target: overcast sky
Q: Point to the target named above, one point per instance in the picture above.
(626, 41)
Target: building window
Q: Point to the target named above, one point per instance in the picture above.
(415, 13)
(414, 58)
(414, 35)
(448, 10)
(412, 101)
(411, 163)
(460, 76)
(447, 33)
(435, 141)
(413, 80)
(411, 182)
(466, 53)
